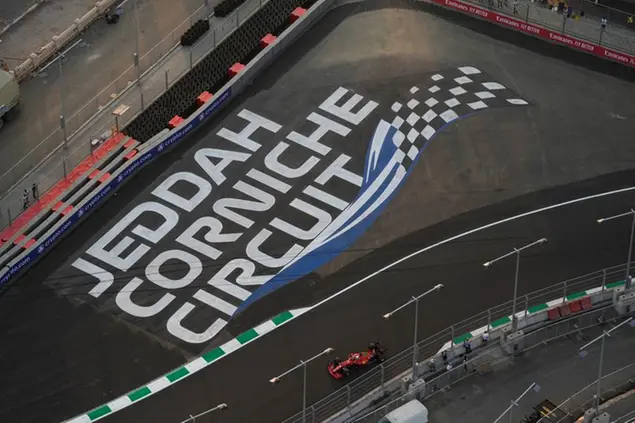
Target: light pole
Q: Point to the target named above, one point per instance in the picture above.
(416, 301)
(517, 253)
(627, 279)
(193, 418)
(302, 364)
(60, 60)
(514, 403)
(603, 337)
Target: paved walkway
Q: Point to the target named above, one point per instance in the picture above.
(557, 368)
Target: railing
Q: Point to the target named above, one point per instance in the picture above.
(586, 28)
(138, 94)
(580, 400)
(396, 365)
(436, 382)
(584, 399)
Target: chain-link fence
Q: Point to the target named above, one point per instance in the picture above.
(375, 381)
(136, 95)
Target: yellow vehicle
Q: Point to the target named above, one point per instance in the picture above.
(9, 96)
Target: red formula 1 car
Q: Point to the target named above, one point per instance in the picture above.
(339, 369)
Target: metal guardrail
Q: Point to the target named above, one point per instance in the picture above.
(560, 329)
(346, 396)
(138, 94)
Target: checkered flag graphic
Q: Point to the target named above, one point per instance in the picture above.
(452, 94)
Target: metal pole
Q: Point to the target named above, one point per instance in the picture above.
(514, 325)
(414, 346)
(515, 403)
(304, 394)
(603, 336)
(516, 251)
(627, 281)
(511, 411)
(597, 395)
(62, 119)
(136, 37)
(302, 364)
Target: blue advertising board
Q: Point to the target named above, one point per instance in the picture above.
(41, 247)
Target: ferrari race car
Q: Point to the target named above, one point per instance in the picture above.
(339, 369)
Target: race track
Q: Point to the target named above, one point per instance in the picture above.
(357, 147)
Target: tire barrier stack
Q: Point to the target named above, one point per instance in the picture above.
(212, 72)
(226, 7)
(195, 32)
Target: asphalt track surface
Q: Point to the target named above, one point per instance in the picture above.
(63, 354)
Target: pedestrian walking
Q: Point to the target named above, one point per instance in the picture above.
(444, 354)
(485, 338)
(465, 363)
(25, 200)
(515, 7)
(448, 367)
(499, 4)
(35, 192)
(603, 23)
(467, 346)
(432, 365)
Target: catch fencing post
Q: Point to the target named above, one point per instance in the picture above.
(526, 305)
(564, 293)
(452, 340)
(9, 214)
(167, 84)
(603, 279)
(489, 319)
(564, 21)
(527, 15)
(381, 366)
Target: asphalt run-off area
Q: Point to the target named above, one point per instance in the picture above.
(390, 128)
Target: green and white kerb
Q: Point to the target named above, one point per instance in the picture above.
(192, 367)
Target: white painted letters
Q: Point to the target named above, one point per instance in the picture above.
(344, 111)
(242, 138)
(255, 253)
(175, 326)
(312, 141)
(124, 301)
(113, 257)
(190, 262)
(272, 161)
(264, 202)
(215, 171)
(323, 220)
(212, 236)
(187, 204)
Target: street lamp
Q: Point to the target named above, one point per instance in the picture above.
(517, 253)
(60, 60)
(416, 301)
(603, 337)
(302, 364)
(627, 280)
(514, 403)
(193, 418)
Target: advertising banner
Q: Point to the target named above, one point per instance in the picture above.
(537, 31)
(70, 222)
